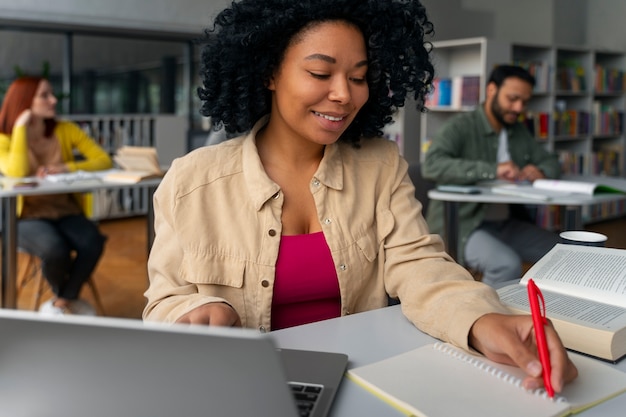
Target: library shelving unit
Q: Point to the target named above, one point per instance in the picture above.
(580, 92)
(455, 60)
(577, 109)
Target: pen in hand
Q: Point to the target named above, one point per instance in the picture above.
(539, 321)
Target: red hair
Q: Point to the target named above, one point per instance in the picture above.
(18, 98)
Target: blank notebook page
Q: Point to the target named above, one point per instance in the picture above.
(442, 380)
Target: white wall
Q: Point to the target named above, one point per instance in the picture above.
(175, 16)
(606, 24)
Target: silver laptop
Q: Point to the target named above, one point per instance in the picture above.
(104, 367)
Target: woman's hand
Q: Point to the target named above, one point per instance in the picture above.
(511, 340)
(24, 118)
(214, 314)
(42, 171)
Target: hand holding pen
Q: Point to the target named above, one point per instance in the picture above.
(510, 339)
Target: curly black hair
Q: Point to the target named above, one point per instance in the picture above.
(248, 40)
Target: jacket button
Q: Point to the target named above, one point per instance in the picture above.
(265, 283)
(272, 232)
(343, 267)
(275, 196)
(262, 329)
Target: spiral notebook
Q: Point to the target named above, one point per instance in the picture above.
(440, 380)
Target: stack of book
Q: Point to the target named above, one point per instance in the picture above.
(136, 163)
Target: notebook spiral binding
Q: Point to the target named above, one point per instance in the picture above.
(490, 369)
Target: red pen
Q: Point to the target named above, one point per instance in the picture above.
(539, 320)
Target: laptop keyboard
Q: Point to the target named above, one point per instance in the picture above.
(306, 396)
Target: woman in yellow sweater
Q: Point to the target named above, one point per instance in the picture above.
(53, 227)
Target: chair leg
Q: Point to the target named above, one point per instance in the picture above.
(29, 273)
(96, 296)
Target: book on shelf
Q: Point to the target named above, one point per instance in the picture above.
(455, 92)
(538, 69)
(583, 288)
(441, 380)
(137, 163)
(571, 76)
(608, 80)
(536, 122)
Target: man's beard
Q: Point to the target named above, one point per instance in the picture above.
(498, 113)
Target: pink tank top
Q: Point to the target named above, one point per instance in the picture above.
(306, 288)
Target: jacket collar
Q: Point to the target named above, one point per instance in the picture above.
(486, 126)
(260, 186)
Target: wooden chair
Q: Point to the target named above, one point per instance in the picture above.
(29, 272)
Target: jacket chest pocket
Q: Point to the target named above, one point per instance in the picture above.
(213, 270)
(219, 277)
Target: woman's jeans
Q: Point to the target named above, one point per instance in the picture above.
(69, 249)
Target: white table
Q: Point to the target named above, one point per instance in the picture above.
(9, 222)
(376, 335)
(571, 206)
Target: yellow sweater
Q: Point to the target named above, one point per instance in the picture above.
(14, 152)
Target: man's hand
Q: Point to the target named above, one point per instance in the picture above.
(530, 173)
(214, 314)
(507, 171)
(511, 340)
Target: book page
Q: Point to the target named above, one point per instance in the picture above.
(565, 186)
(586, 313)
(592, 273)
(528, 191)
(136, 163)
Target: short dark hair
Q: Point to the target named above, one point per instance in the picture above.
(502, 72)
(248, 40)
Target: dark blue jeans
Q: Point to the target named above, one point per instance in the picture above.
(69, 249)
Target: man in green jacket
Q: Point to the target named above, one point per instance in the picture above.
(490, 143)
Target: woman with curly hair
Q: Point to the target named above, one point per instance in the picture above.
(309, 214)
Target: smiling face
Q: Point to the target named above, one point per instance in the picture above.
(44, 102)
(321, 83)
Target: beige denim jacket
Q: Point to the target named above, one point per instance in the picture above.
(218, 228)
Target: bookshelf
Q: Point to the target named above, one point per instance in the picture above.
(577, 109)
(457, 61)
(580, 92)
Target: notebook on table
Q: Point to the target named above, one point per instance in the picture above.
(101, 367)
(440, 380)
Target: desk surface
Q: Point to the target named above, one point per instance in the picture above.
(488, 196)
(76, 186)
(376, 335)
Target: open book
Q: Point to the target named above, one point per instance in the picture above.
(548, 189)
(137, 163)
(581, 187)
(440, 380)
(585, 293)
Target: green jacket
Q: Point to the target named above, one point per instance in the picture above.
(464, 151)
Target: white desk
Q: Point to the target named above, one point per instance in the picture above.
(9, 222)
(571, 206)
(376, 335)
